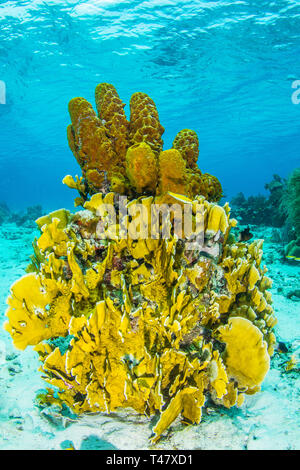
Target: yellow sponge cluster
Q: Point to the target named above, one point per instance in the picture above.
(119, 155)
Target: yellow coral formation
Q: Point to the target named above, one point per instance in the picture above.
(30, 321)
(210, 187)
(144, 122)
(218, 375)
(186, 141)
(111, 110)
(148, 322)
(172, 171)
(248, 365)
(137, 326)
(62, 215)
(141, 168)
(105, 146)
(90, 144)
(217, 220)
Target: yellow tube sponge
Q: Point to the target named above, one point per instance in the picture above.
(141, 167)
(246, 356)
(210, 187)
(99, 143)
(93, 149)
(144, 122)
(172, 172)
(186, 141)
(111, 111)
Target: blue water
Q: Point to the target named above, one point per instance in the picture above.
(223, 68)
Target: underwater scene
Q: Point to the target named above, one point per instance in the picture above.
(150, 225)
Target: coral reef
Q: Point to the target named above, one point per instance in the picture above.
(262, 210)
(150, 323)
(26, 218)
(292, 201)
(280, 210)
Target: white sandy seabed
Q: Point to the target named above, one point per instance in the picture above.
(268, 420)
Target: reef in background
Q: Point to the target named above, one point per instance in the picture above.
(149, 323)
(280, 210)
(292, 202)
(262, 210)
(26, 218)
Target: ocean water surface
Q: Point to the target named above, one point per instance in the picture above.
(223, 68)
(230, 70)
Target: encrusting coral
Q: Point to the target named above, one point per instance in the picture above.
(151, 323)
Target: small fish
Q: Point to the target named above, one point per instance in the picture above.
(294, 258)
(245, 235)
(180, 197)
(282, 348)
